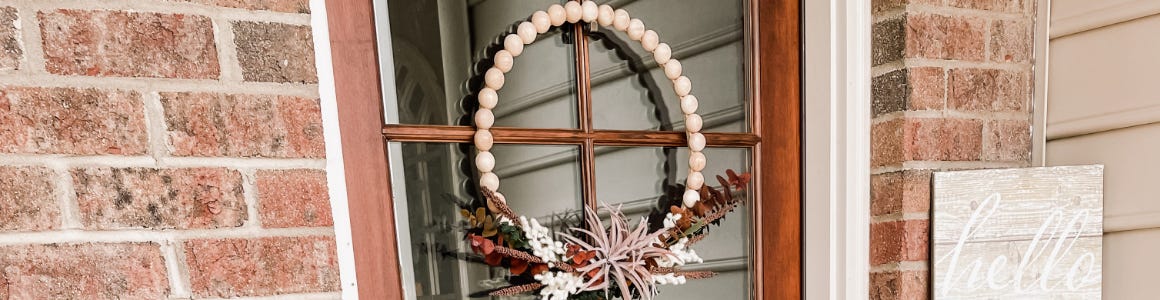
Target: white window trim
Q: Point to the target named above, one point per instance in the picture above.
(837, 149)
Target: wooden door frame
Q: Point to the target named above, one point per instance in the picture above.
(776, 74)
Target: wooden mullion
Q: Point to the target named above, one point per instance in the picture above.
(509, 135)
(584, 101)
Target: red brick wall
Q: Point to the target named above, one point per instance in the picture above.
(161, 148)
(952, 90)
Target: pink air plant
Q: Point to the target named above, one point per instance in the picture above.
(621, 253)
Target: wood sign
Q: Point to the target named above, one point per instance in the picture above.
(1032, 233)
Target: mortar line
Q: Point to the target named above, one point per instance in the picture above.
(163, 163)
(155, 124)
(250, 194)
(33, 61)
(77, 236)
(66, 196)
(167, 7)
(228, 63)
(179, 283)
(161, 85)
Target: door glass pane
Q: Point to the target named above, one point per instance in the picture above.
(638, 178)
(430, 178)
(629, 91)
(441, 50)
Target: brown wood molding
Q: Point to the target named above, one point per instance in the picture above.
(509, 135)
(356, 79)
(777, 77)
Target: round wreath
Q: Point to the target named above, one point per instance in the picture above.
(594, 262)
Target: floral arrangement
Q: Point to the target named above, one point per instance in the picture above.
(592, 260)
(596, 261)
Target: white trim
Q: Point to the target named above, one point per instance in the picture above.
(1039, 135)
(837, 149)
(335, 169)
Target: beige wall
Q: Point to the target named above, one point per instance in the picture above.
(1104, 108)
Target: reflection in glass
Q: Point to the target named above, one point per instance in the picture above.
(636, 178)
(629, 91)
(441, 49)
(539, 181)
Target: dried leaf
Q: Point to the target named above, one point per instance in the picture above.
(539, 269)
(519, 267)
(493, 259)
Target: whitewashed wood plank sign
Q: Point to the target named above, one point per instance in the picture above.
(1034, 233)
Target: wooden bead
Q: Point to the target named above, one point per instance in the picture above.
(697, 161)
(606, 15)
(620, 19)
(682, 85)
(589, 11)
(649, 40)
(493, 79)
(695, 181)
(673, 69)
(504, 61)
(662, 54)
(513, 44)
(574, 11)
(492, 207)
(484, 119)
(690, 198)
(689, 104)
(485, 161)
(696, 142)
(488, 98)
(635, 29)
(527, 32)
(489, 180)
(542, 21)
(557, 15)
(483, 140)
(694, 123)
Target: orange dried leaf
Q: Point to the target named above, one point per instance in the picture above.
(493, 259)
(539, 269)
(519, 267)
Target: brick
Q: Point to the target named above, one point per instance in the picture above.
(898, 285)
(118, 198)
(888, 41)
(286, 6)
(886, 143)
(890, 92)
(11, 50)
(900, 192)
(943, 139)
(273, 52)
(208, 124)
(1011, 41)
(927, 88)
(988, 90)
(945, 37)
(293, 198)
(918, 88)
(1008, 140)
(896, 241)
(27, 201)
(83, 271)
(877, 6)
(1013, 6)
(71, 121)
(128, 44)
(263, 266)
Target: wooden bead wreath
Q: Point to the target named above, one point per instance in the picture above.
(634, 260)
